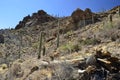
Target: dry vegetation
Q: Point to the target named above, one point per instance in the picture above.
(19, 48)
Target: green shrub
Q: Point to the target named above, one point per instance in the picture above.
(71, 47)
(89, 42)
(68, 34)
(35, 45)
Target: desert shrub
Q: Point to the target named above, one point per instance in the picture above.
(109, 25)
(70, 47)
(89, 42)
(35, 45)
(15, 71)
(63, 71)
(110, 31)
(68, 34)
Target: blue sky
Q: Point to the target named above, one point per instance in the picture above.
(12, 11)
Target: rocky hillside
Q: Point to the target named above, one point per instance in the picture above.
(83, 46)
(36, 19)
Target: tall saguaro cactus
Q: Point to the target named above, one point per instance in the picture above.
(93, 19)
(84, 21)
(44, 48)
(20, 44)
(110, 18)
(58, 35)
(40, 45)
(119, 11)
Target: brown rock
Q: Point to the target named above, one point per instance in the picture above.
(83, 17)
(41, 12)
(88, 13)
(36, 19)
(77, 15)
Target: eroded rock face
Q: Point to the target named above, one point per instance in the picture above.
(22, 23)
(41, 12)
(88, 13)
(37, 18)
(77, 15)
(81, 17)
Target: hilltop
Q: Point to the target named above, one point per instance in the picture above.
(65, 43)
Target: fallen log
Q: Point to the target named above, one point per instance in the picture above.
(72, 61)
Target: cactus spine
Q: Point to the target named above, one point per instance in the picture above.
(40, 45)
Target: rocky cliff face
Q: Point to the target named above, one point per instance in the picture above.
(36, 19)
(79, 14)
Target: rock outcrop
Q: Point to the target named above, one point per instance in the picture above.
(83, 17)
(77, 15)
(88, 13)
(37, 18)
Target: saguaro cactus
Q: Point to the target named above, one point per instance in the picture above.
(44, 48)
(119, 11)
(58, 35)
(20, 44)
(110, 18)
(40, 45)
(93, 19)
(84, 21)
